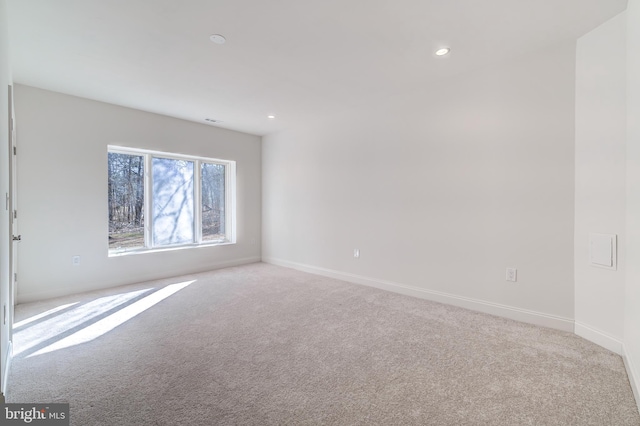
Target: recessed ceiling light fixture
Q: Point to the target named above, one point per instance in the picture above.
(271, 116)
(443, 51)
(217, 38)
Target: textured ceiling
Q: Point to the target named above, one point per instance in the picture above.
(297, 59)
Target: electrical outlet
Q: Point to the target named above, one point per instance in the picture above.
(512, 274)
(356, 253)
(75, 260)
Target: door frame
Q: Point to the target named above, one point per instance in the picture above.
(13, 212)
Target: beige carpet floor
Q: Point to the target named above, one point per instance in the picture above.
(264, 345)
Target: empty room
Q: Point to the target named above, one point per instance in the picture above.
(411, 212)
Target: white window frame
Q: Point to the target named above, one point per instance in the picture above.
(230, 200)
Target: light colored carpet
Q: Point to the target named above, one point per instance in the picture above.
(263, 345)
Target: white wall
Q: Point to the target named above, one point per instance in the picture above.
(62, 183)
(5, 81)
(632, 297)
(600, 197)
(440, 189)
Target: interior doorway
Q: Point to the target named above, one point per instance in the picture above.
(9, 296)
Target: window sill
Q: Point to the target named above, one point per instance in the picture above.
(116, 253)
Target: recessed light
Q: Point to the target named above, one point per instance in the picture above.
(217, 38)
(443, 51)
(271, 116)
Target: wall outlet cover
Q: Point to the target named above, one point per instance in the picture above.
(603, 251)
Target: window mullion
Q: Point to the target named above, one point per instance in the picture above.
(197, 201)
(148, 199)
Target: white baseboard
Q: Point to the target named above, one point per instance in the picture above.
(518, 314)
(634, 375)
(598, 337)
(66, 291)
(5, 373)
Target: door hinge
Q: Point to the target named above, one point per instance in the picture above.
(15, 151)
(15, 277)
(15, 214)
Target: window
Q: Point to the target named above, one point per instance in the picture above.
(159, 200)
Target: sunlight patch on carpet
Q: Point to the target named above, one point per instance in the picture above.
(114, 320)
(40, 332)
(42, 315)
